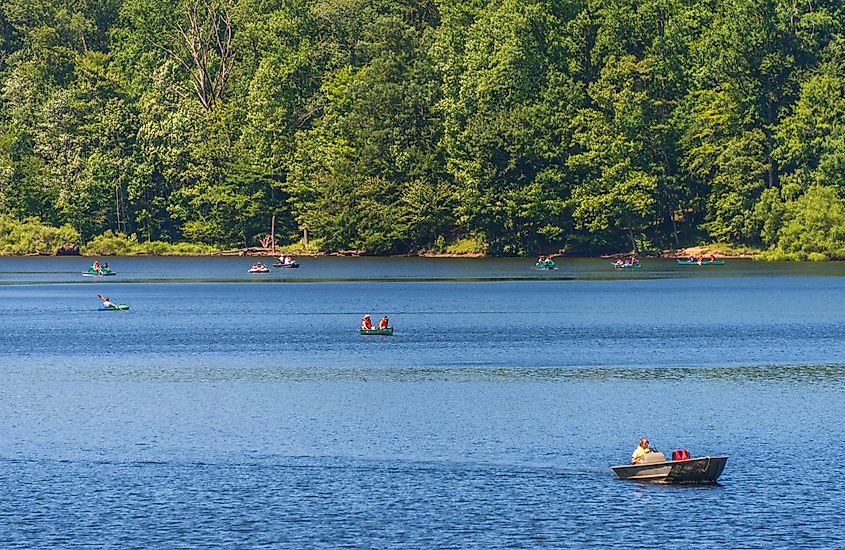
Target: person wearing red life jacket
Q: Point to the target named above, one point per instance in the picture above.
(383, 323)
(366, 324)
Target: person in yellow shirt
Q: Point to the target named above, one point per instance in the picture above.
(640, 452)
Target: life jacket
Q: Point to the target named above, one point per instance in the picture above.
(680, 454)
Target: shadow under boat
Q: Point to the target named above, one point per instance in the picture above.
(656, 469)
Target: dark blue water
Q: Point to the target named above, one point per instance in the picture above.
(234, 414)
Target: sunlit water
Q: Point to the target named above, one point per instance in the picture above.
(216, 412)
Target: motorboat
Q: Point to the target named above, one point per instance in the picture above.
(656, 469)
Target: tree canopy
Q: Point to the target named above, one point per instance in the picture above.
(394, 126)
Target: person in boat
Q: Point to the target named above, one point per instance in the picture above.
(366, 323)
(691, 259)
(107, 303)
(96, 267)
(712, 258)
(700, 259)
(384, 323)
(642, 449)
(106, 267)
(634, 260)
(619, 262)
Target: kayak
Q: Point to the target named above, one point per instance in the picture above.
(708, 262)
(119, 307)
(629, 266)
(377, 331)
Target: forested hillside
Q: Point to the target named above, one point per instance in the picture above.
(394, 126)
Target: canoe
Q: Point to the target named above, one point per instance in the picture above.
(95, 274)
(634, 266)
(714, 262)
(656, 469)
(377, 332)
(119, 307)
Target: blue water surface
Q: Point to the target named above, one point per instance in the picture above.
(225, 411)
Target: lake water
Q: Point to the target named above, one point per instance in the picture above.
(234, 410)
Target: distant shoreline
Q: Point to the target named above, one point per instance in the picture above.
(260, 252)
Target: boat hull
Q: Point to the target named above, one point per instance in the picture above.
(121, 307)
(637, 266)
(706, 469)
(377, 332)
(687, 262)
(288, 266)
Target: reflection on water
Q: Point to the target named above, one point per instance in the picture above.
(42, 270)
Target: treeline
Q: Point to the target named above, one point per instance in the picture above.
(394, 126)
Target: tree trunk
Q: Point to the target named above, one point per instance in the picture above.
(273, 234)
(633, 241)
(674, 227)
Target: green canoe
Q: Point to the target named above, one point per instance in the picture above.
(93, 273)
(377, 331)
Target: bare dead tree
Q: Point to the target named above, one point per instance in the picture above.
(199, 39)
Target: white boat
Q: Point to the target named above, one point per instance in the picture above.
(656, 469)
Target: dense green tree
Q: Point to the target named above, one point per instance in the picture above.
(393, 126)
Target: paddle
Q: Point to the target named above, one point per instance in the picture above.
(101, 297)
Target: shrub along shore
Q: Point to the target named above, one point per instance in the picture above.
(32, 237)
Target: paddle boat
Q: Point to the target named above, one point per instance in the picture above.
(654, 468)
(377, 331)
(258, 267)
(704, 262)
(545, 264)
(118, 307)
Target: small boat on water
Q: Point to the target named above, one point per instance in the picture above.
(118, 307)
(291, 265)
(94, 273)
(259, 268)
(655, 468)
(377, 331)
(546, 264)
(708, 262)
(626, 266)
